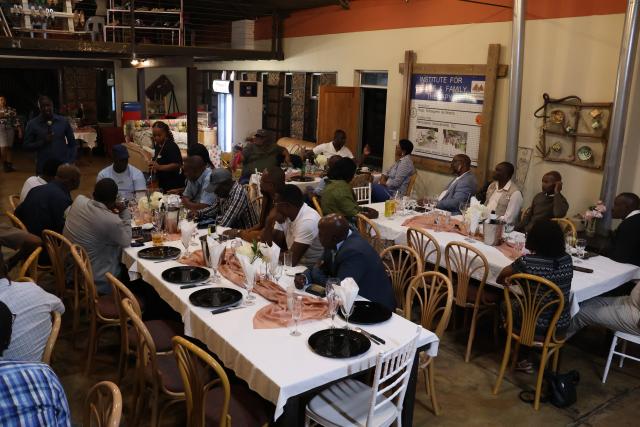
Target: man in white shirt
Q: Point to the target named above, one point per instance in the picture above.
(129, 179)
(32, 307)
(49, 170)
(503, 195)
(335, 147)
(294, 225)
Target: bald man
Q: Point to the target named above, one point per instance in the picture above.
(44, 207)
(347, 254)
(463, 186)
(549, 203)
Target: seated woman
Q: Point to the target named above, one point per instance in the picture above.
(337, 196)
(549, 260)
(271, 182)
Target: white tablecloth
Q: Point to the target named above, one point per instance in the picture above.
(274, 364)
(607, 274)
(87, 135)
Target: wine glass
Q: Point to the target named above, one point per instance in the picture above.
(346, 313)
(569, 243)
(296, 315)
(333, 301)
(288, 261)
(249, 281)
(581, 246)
(330, 285)
(276, 271)
(186, 234)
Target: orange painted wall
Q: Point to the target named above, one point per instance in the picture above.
(369, 15)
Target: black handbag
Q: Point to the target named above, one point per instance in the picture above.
(559, 389)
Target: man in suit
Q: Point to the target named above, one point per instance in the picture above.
(347, 254)
(461, 188)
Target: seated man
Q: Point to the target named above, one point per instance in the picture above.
(32, 308)
(44, 207)
(20, 241)
(231, 208)
(294, 227)
(550, 203)
(337, 196)
(625, 241)
(461, 188)
(503, 195)
(129, 179)
(396, 178)
(335, 147)
(48, 173)
(261, 153)
(347, 254)
(102, 228)
(198, 174)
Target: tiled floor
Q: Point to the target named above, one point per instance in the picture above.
(464, 389)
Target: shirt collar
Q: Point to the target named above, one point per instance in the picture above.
(632, 213)
(506, 187)
(339, 244)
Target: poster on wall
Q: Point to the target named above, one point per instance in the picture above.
(446, 115)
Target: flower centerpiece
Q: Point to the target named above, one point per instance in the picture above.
(476, 214)
(254, 251)
(150, 202)
(592, 215)
(321, 160)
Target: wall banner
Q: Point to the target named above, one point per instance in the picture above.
(446, 115)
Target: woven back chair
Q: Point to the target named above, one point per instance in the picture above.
(29, 267)
(56, 320)
(402, 264)
(14, 201)
(527, 298)
(316, 205)
(103, 406)
(426, 246)
(15, 221)
(568, 227)
(465, 262)
(412, 183)
(432, 293)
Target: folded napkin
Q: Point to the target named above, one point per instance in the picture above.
(509, 250)
(428, 221)
(347, 292)
(194, 259)
(215, 251)
(248, 268)
(272, 255)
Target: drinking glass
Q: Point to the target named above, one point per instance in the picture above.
(284, 166)
(249, 286)
(569, 243)
(296, 315)
(519, 244)
(156, 238)
(288, 261)
(333, 301)
(581, 245)
(186, 239)
(346, 313)
(276, 271)
(330, 285)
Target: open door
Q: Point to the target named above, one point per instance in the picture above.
(339, 108)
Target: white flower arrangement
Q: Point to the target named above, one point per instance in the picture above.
(146, 204)
(321, 160)
(254, 251)
(476, 211)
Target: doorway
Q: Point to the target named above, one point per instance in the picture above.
(374, 111)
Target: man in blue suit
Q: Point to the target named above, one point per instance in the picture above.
(347, 254)
(461, 188)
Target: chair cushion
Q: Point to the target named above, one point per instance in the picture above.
(347, 404)
(169, 373)
(107, 307)
(245, 407)
(162, 331)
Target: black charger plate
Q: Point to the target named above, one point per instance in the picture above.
(215, 297)
(339, 343)
(368, 313)
(185, 274)
(159, 252)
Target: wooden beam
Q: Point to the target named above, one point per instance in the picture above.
(192, 106)
(142, 96)
(409, 60)
(490, 78)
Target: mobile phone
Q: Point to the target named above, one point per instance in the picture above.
(317, 290)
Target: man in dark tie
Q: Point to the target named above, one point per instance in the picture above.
(347, 254)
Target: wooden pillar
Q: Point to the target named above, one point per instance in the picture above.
(142, 97)
(192, 106)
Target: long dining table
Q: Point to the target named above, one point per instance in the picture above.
(279, 367)
(606, 276)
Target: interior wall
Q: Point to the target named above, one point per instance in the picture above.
(567, 56)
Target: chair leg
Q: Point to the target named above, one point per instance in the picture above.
(154, 406)
(91, 347)
(496, 321)
(543, 363)
(556, 359)
(514, 358)
(503, 365)
(426, 381)
(623, 350)
(472, 333)
(432, 388)
(608, 365)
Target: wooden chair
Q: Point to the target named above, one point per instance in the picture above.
(363, 194)
(29, 267)
(367, 228)
(402, 264)
(157, 372)
(162, 331)
(316, 204)
(568, 227)
(209, 397)
(426, 245)
(101, 310)
(14, 201)
(56, 319)
(103, 406)
(466, 262)
(412, 183)
(524, 213)
(533, 297)
(15, 221)
(59, 249)
(256, 205)
(433, 293)
(351, 402)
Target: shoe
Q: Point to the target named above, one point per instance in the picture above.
(8, 167)
(524, 366)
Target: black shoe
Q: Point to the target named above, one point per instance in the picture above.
(8, 167)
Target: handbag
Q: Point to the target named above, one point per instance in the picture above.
(559, 389)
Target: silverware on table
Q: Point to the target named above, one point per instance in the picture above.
(168, 259)
(376, 339)
(196, 285)
(224, 310)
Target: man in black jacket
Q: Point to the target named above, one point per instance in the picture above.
(625, 241)
(347, 254)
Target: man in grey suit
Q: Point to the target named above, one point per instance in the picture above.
(461, 188)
